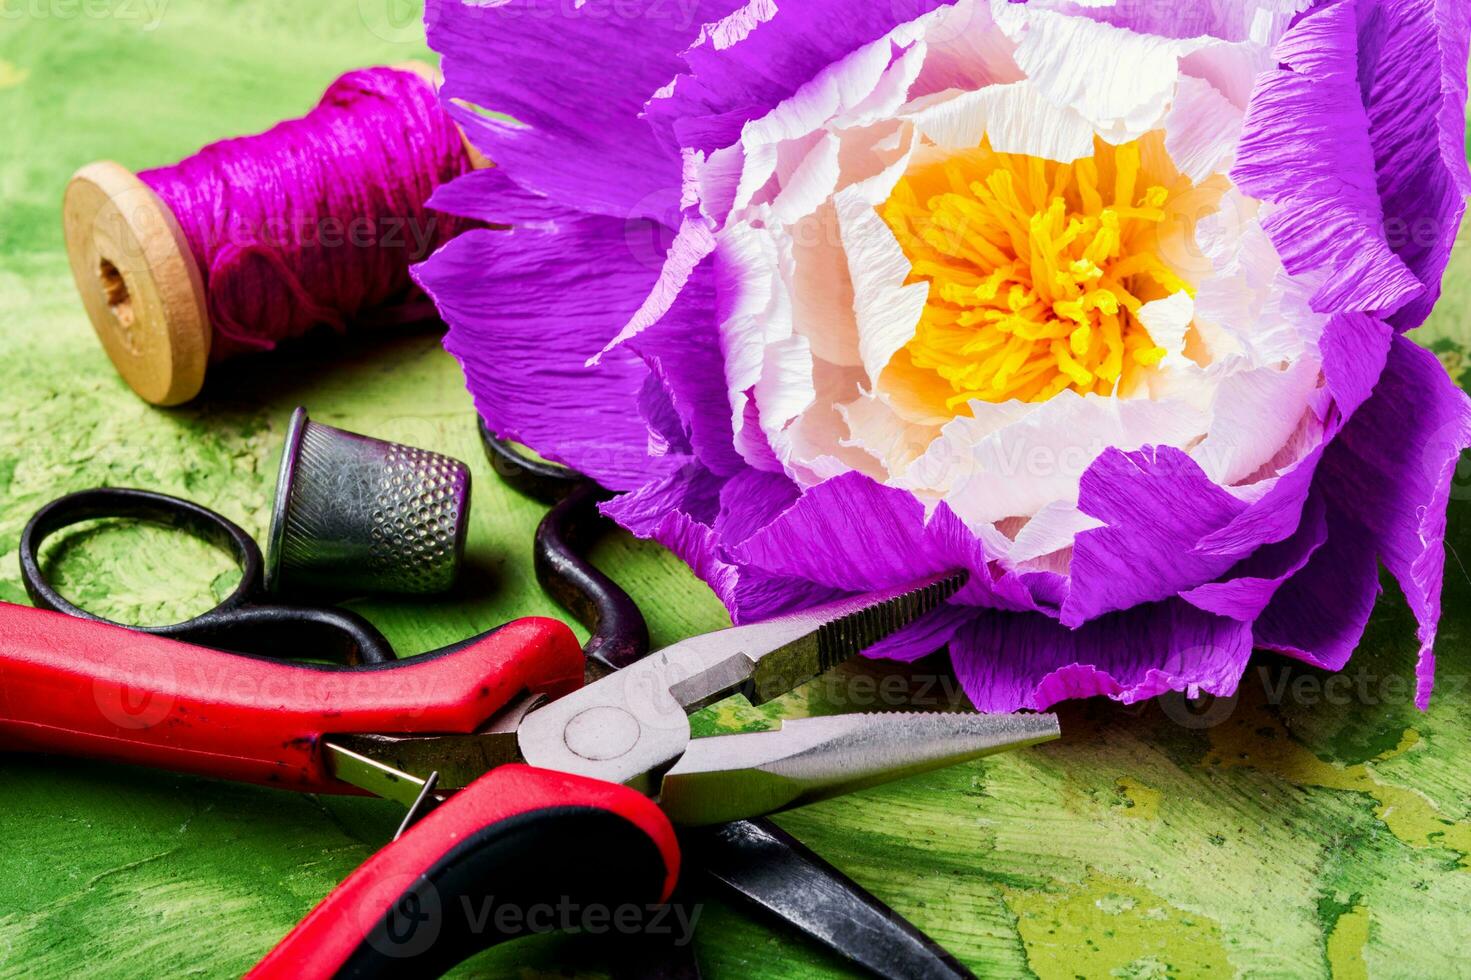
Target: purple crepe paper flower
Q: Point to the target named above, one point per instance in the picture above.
(1103, 303)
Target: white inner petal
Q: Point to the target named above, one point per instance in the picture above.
(1118, 80)
(1014, 458)
(1201, 129)
(1017, 118)
(885, 310)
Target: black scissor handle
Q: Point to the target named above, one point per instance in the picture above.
(538, 479)
(620, 635)
(238, 623)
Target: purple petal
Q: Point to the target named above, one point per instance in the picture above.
(1391, 469)
(851, 534)
(1230, 20)
(1157, 505)
(524, 319)
(1413, 60)
(1244, 591)
(1305, 146)
(1320, 613)
(692, 491)
(574, 77)
(683, 351)
(744, 66)
(693, 242)
(1007, 661)
(680, 511)
(757, 596)
(1353, 347)
(677, 511)
(667, 436)
(493, 197)
(924, 637)
(750, 501)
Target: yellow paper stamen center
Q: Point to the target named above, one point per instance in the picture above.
(1037, 270)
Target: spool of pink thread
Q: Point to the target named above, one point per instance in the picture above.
(264, 238)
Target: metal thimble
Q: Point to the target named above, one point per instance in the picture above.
(356, 514)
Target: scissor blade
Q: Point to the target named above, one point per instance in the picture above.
(771, 869)
(732, 777)
(396, 766)
(459, 759)
(767, 659)
(379, 778)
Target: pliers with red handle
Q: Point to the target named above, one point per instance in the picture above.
(550, 790)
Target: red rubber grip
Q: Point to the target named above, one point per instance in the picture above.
(517, 837)
(91, 689)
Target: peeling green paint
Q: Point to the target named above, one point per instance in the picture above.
(1304, 835)
(1406, 812)
(1106, 926)
(1346, 945)
(1139, 800)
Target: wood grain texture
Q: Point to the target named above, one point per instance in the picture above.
(1313, 827)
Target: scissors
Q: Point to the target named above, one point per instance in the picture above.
(249, 619)
(617, 643)
(539, 790)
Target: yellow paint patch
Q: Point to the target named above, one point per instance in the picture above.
(1140, 801)
(1037, 270)
(1106, 926)
(1408, 814)
(1346, 945)
(1454, 362)
(11, 75)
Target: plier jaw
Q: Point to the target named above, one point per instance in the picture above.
(632, 727)
(723, 778)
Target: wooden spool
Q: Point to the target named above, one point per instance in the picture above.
(139, 282)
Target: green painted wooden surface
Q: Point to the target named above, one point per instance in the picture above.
(1315, 827)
